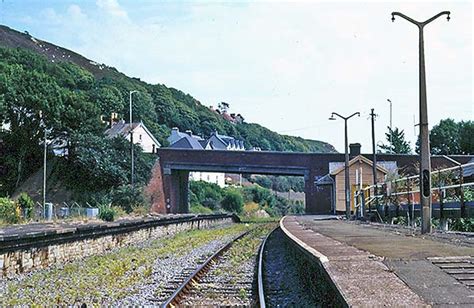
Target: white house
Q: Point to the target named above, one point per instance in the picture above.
(141, 135)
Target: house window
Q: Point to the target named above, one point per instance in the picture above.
(140, 137)
(153, 148)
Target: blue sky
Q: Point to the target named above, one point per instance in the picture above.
(285, 65)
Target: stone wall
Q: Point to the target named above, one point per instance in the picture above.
(26, 254)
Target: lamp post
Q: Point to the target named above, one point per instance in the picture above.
(346, 164)
(425, 162)
(131, 138)
(391, 132)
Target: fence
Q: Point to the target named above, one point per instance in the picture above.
(61, 211)
(399, 197)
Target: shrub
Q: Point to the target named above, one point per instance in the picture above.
(233, 201)
(251, 207)
(26, 204)
(199, 209)
(141, 210)
(9, 211)
(127, 197)
(107, 213)
(463, 224)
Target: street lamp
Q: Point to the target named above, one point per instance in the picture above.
(425, 163)
(346, 164)
(391, 131)
(131, 136)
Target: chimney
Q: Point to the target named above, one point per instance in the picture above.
(189, 132)
(113, 118)
(354, 149)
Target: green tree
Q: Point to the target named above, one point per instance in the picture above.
(445, 138)
(449, 137)
(232, 201)
(399, 145)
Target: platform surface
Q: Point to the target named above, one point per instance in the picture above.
(375, 265)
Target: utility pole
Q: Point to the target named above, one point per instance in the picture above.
(374, 157)
(131, 140)
(425, 161)
(346, 164)
(391, 131)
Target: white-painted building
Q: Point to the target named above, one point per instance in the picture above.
(141, 135)
(209, 177)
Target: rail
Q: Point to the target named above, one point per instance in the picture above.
(261, 290)
(174, 299)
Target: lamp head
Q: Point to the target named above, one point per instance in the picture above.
(448, 18)
(388, 100)
(393, 17)
(332, 118)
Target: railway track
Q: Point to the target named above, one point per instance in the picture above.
(226, 278)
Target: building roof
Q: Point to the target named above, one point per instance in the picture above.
(187, 142)
(123, 129)
(227, 140)
(358, 158)
(324, 180)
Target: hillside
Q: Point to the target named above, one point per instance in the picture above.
(73, 92)
(173, 107)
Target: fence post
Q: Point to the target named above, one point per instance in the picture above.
(461, 193)
(363, 204)
(385, 205)
(409, 203)
(395, 202)
(442, 220)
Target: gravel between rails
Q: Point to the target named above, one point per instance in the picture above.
(231, 280)
(168, 269)
(281, 276)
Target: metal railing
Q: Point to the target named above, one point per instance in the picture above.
(402, 195)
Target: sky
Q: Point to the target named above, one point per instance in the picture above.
(284, 65)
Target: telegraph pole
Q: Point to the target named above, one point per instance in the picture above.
(374, 156)
(425, 161)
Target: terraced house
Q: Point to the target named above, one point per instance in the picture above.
(187, 140)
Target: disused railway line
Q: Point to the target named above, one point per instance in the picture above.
(212, 284)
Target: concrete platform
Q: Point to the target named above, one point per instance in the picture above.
(376, 266)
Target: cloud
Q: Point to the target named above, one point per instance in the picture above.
(112, 7)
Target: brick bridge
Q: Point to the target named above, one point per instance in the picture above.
(176, 164)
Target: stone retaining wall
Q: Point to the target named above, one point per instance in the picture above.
(21, 253)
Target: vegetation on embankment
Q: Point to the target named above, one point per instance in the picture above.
(249, 201)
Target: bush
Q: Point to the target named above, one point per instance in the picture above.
(463, 224)
(107, 213)
(9, 211)
(199, 209)
(26, 205)
(127, 197)
(233, 201)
